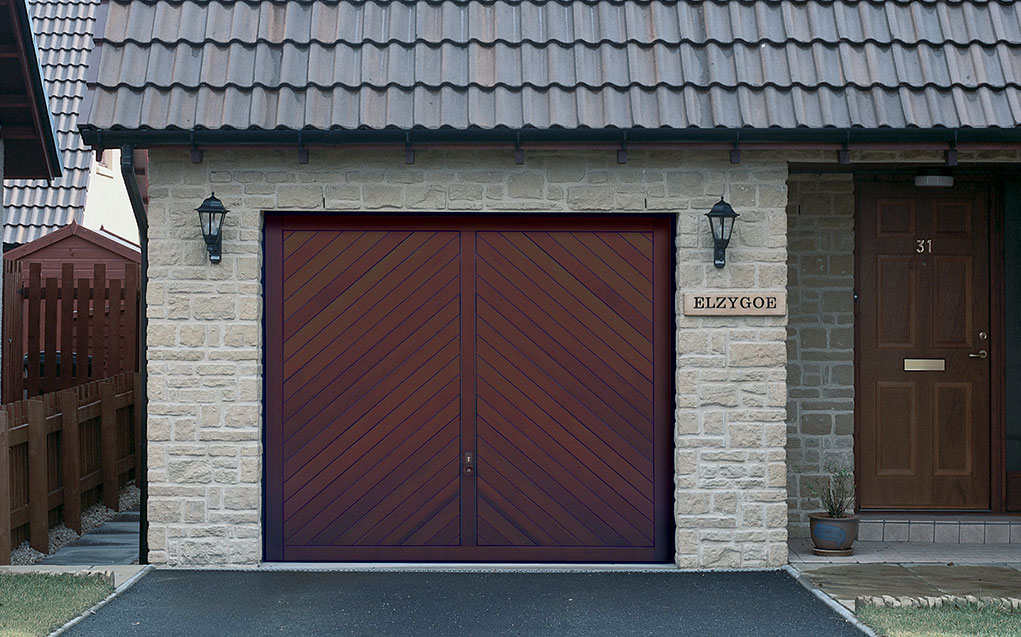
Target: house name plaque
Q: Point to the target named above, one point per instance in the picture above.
(735, 303)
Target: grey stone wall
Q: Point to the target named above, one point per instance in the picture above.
(205, 326)
(820, 335)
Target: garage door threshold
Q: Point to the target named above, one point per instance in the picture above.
(465, 567)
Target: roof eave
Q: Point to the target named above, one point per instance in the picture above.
(638, 137)
(45, 131)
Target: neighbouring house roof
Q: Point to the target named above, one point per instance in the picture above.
(273, 67)
(26, 127)
(64, 32)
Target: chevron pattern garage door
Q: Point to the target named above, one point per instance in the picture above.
(492, 388)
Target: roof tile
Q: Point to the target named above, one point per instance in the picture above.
(211, 64)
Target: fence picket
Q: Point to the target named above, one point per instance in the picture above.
(38, 478)
(71, 459)
(5, 493)
(100, 331)
(49, 378)
(34, 323)
(66, 325)
(108, 437)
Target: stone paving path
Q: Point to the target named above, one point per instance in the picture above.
(114, 542)
(913, 570)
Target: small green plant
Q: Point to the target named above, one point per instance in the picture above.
(838, 496)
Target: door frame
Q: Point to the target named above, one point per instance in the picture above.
(664, 393)
(997, 304)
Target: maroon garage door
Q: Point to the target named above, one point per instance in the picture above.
(468, 388)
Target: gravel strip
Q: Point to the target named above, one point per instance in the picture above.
(92, 518)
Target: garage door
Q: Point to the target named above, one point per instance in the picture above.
(468, 388)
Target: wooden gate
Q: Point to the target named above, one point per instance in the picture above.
(458, 388)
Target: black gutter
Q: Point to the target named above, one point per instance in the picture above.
(524, 136)
(141, 402)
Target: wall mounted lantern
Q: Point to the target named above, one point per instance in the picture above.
(721, 222)
(211, 215)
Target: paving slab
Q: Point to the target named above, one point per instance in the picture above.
(980, 581)
(260, 602)
(113, 542)
(846, 582)
(117, 574)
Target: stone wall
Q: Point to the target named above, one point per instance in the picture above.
(205, 326)
(820, 335)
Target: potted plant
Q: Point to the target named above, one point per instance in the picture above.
(835, 529)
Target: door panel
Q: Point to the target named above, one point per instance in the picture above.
(588, 472)
(455, 388)
(923, 286)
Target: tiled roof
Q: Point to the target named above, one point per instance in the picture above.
(373, 64)
(33, 208)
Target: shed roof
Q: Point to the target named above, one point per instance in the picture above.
(64, 33)
(26, 127)
(102, 240)
(375, 65)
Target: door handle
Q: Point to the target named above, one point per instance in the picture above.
(979, 354)
(469, 464)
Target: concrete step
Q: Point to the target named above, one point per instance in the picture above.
(942, 529)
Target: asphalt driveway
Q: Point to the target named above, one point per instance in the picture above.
(247, 603)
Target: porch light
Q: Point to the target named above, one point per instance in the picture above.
(211, 215)
(721, 222)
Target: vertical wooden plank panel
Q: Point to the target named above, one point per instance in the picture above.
(66, 327)
(38, 478)
(468, 418)
(71, 459)
(12, 305)
(114, 352)
(5, 493)
(100, 335)
(18, 337)
(34, 320)
(108, 437)
(50, 338)
(83, 346)
(136, 411)
(130, 325)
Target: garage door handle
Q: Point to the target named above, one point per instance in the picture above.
(469, 463)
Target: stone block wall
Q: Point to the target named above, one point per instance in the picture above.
(205, 326)
(820, 335)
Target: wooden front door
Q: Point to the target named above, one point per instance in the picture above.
(923, 321)
(468, 388)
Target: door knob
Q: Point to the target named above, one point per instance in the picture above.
(979, 354)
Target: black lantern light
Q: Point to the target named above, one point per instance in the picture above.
(721, 222)
(211, 215)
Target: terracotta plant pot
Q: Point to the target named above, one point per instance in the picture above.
(833, 536)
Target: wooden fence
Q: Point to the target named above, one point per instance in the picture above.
(59, 333)
(62, 451)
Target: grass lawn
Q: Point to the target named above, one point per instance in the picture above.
(38, 604)
(941, 622)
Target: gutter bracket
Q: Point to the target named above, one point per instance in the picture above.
(409, 153)
(735, 152)
(302, 151)
(950, 154)
(844, 154)
(196, 154)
